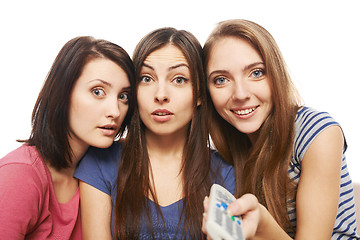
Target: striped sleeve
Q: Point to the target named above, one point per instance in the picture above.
(309, 124)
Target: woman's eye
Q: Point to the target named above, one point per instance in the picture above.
(180, 80)
(124, 97)
(98, 92)
(219, 81)
(145, 79)
(257, 73)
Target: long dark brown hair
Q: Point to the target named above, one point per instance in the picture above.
(261, 168)
(133, 186)
(50, 118)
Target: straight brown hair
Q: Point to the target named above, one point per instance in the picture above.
(133, 186)
(261, 168)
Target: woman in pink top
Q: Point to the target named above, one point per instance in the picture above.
(84, 102)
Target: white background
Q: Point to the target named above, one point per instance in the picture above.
(320, 41)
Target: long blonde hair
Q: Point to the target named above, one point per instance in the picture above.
(261, 168)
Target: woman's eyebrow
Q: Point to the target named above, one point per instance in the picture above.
(128, 88)
(148, 66)
(252, 65)
(102, 81)
(170, 68)
(247, 67)
(217, 72)
(178, 65)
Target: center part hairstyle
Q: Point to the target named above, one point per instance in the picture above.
(135, 176)
(261, 168)
(50, 118)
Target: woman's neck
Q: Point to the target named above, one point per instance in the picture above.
(65, 185)
(166, 147)
(76, 155)
(166, 159)
(78, 149)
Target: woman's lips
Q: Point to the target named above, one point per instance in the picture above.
(161, 115)
(244, 113)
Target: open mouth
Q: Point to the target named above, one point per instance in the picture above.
(244, 112)
(108, 128)
(161, 113)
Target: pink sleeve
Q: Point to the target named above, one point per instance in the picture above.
(20, 200)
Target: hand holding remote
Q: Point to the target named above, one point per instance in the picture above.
(246, 206)
(220, 225)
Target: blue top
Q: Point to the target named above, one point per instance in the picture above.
(99, 168)
(309, 124)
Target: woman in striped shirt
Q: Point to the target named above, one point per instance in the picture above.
(290, 157)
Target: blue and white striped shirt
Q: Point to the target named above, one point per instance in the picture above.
(309, 124)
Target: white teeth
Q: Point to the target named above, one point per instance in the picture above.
(244, 112)
(161, 114)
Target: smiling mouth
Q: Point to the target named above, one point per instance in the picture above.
(244, 111)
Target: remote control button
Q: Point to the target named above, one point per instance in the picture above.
(224, 205)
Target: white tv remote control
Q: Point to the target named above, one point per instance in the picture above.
(219, 224)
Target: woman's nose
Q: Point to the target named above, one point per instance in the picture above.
(113, 108)
(161, 94)
(241, 90)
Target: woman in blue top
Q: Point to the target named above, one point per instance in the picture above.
(166, 167)
(290, 157)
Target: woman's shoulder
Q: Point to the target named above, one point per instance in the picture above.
(24, 169)
(104, 155)
(217, 161)
(99, 167)
(222, 172)
(25, 160)
(309, 124)
(219, 166)
(24, 154)
(100, 159)
(310, 117)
